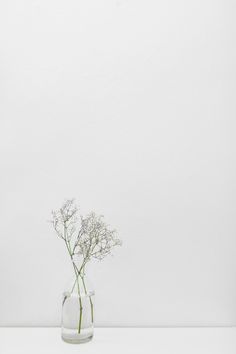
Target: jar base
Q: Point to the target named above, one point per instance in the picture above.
(72, 336)
(77, 340)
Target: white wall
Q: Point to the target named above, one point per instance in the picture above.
(129, 106)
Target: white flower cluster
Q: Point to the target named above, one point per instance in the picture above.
(87, 237)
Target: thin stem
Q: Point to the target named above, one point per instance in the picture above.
(73, 285)
(81, 308)
(77, 274)
(79, 294)
(90, 300)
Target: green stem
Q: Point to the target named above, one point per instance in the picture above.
(73, 285)
(77, 274)
(80, 308)
(79, 294)
(90, 300)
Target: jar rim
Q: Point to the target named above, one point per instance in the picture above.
(73, 294)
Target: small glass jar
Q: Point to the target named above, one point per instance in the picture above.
(78, 311)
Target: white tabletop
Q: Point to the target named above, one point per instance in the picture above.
(122, 341)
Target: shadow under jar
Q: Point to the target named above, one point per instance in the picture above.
(78, 312)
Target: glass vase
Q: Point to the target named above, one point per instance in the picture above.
(78, 311)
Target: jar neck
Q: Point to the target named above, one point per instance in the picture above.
(80, 285)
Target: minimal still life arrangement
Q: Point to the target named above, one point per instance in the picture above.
(86, 238)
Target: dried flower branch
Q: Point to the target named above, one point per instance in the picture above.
(85, 238)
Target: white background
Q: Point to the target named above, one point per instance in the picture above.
(129, 106)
